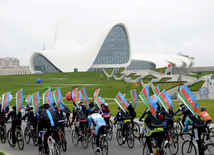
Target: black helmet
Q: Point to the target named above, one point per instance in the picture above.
(188, 112)
(148, 111)
(91, 104)
(203, 108)
(79, 103)
(181, 104)
(46, 106)
(14, 107)
(41, 107)
(94, 110)
(30, 108)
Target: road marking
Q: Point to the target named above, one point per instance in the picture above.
(5, 152)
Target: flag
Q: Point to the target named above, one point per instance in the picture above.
(124, 94)
(47, 98)
(165, 100)
(5, 100)
(180, 77)
(84, 96)
(156, 90)
(96, 92)
(99, 101)
(134, 97)
(155, 99)
(28, 99)
(79, 96)
(181, 86)
(74, 95)
(19, 100)
(150, 104)
(58, 98)
(121, 101)
(189, 99)
(35, 102)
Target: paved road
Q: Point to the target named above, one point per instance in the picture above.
(114, 148)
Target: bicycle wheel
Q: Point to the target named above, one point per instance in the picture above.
(110, 130)
(67, 125)
(104, 146)
(145, 150)
(3, 134)
(209, 149)
(143, 138)
(41, 150)
(212, 135)
(173, 143)
(56, 150)
(188, 148)
(74, 137)
(130, 139)
(136, 129)
(20, 140)
(27, 135)
(63, 142)
(94, 144)
(119, 136)
(84, 140)
(35, 139)
(9, 137)
(177, 126)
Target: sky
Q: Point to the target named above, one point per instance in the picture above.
(154, 26)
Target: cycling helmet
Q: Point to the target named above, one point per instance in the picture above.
(102, 104)
(188, 112)
(46, 106)
(30, 108)
(91, 104)
(94, 110)
(14, 107)
(79, 103)
(148, 111)
(203, 108)
(181, 104)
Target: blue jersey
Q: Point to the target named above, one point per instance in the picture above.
(96, 118)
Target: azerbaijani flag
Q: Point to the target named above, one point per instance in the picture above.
(189, 99)
(96, 92)
(28, 99)
(5, 100)
(47, 98)
(121, 101)
(84, 96)
(180, 77)
(58, 98)
(79, 96)
(74, 95)
(150, 104)
(134, 97)
(156, 90)
(19, 100)
(124, 94)
(99, 101)
(165, 100)
(181, 86)
(35, 102)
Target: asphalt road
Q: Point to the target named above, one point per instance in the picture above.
(114, 148)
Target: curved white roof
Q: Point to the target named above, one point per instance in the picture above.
(67, 54)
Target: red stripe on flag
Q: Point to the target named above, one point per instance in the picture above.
(100, 102)
(189, 99)
(36, 102)
(135, 97)
(58, 100)
(95, 94)
(125, 106)
(165, 99)
(5, 101)
(83, 93)
(151, 107)
(19, 108)
(156, 89)
(47, 100)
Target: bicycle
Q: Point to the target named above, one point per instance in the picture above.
(191, 146)
(53, 147)
(60, 138)
(83, 136)
(67, 122)
(135, 129)
(18, 137)
(29, 133)
(3, 133)
(103, 142)
(156, 151)
(178, 124)
(109, 127)
(129, 136)
(209, 134)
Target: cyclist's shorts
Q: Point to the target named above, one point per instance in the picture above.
(98, 127)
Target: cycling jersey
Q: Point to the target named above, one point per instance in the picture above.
(205, 116)
(98, 120)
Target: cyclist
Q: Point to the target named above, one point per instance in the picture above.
(183, 109)
(204, 115)
(155, 126)
(2, 116)
(60, 117)
(67, 111)
(132, 112)
(82, 107)
(32, 120)
(105, 112)
(198, 128)
(88, 111)
(100, 125)
(48, 120)
(16, 120)
(124, 118)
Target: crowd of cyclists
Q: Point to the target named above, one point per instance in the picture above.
(156, 127)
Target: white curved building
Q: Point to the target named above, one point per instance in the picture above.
(110, 48)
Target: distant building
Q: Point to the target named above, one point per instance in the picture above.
(10, 66)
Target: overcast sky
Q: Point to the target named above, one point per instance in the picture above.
(155, 26)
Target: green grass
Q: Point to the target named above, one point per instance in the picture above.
(134, 77)
(196, 86)
(146, 80)
(1, 153)
(159, 69)
(199, 75)
(164, 79)
(109, 70)
(168, 85)
(131, 74)
(120, 70)
(118, 75)
(149, 77)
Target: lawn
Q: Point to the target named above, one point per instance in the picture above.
(109, 70)
(199, 75)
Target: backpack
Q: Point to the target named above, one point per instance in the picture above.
(105, 108)
(131, 111)
(125, 115)
(197, 122)
(167, 116)
(81, 115)
(155, 121)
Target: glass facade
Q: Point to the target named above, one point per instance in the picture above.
(40, 63)
(141, 65)
(115, 49)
